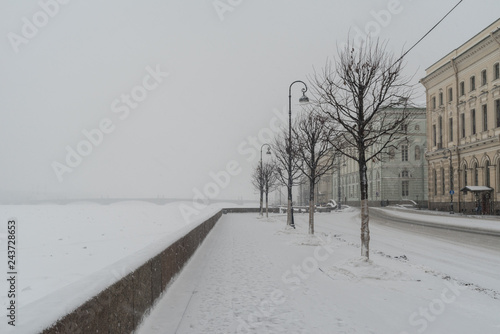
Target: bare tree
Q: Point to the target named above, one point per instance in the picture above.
(257, 180)
(265, 179)
(312, 134)
(357, 92)
(280, 147)
(270, 180)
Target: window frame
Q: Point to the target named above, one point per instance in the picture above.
(473, 121)
(484, 109)
(497, 111)
(404, 152)
(451, 129)
(487, 173)
(472, 83)
(440, 123)
(462, 125)
(484, 77)
(475, 174)
(434, 133)
(405, 188)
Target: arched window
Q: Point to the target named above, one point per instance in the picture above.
(487, 173)
(417, 153)
(475, 172)
(465, 175)
(497, 168)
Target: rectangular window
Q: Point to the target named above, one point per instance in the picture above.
(485, 117)
(497, 112)
(451, 129)
(462, 124)
(473, 121)
(440, 139)
(484, 78)
(433, 102)
(462, 88)
(496, 71)
(440, 99)
(405, 188)
(450, 94)
(434, 134)
(472, 83)
(404, 153)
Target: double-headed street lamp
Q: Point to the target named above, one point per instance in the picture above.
(451, 179)
(262, 176)
(303, 99)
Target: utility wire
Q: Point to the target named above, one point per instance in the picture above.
(414, 45)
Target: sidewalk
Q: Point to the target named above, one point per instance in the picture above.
(480, 222)
(254, 275)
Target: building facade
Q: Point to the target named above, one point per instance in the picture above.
(463, 126)
(399, 176)
(323, 190)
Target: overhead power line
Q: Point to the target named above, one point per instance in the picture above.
(427, 33)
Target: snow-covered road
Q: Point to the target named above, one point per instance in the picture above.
(470, 258)
(256, 276)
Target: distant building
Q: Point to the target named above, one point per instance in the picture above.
(323, 191)
(463, 125)
(399, 177)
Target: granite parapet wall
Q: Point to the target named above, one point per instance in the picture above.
(121, 307)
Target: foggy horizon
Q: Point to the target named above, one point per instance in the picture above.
(151, 99)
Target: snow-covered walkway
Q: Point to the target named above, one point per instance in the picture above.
(256, 276)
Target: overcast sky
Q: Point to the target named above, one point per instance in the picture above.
(146, 98)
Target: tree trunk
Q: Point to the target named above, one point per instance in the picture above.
(365, 216)
(289, 211)
(261, 194)
(267, 205)
(311, 206)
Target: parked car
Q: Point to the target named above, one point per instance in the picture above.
(332, 204)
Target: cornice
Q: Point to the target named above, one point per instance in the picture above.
(462, 58)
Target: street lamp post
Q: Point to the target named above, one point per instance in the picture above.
(339, 193)
(262, 176)
(303, 99)
(451, 180)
